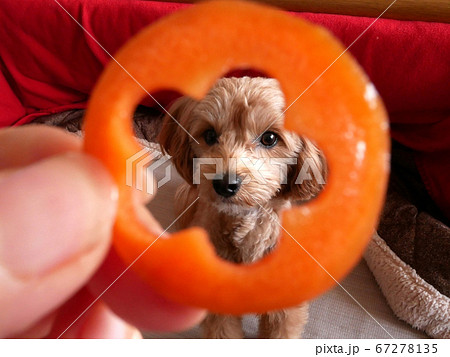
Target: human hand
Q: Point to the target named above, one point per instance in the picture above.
(57, 208)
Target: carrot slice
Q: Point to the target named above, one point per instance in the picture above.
(320, 241)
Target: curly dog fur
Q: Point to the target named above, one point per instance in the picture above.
(240, 122)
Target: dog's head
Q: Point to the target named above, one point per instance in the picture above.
(233, 145)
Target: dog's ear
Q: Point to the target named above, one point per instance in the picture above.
(174, 139)
(306, 179)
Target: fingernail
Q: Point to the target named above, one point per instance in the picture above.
(134, 334)
(52, 211)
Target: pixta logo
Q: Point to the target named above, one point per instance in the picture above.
(141, 170)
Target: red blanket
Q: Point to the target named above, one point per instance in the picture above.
(49, 64)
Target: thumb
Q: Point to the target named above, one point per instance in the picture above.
(56, 218)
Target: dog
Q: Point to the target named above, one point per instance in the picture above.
(240, 196)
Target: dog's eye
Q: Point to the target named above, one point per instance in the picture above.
(210, 137)
(269, 139)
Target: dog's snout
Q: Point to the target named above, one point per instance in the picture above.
(226, 186)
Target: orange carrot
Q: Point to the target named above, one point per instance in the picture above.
(341, 111)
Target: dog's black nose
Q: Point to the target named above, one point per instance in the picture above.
(226, 187)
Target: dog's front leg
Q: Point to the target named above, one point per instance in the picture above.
(287, 323)
(222, 326)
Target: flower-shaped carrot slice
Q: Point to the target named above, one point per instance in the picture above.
(341, 111)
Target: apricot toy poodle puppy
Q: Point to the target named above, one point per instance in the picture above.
(245, 168)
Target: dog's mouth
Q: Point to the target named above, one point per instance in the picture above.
(235, 200)
(226, 194)
(242, 199)
(231, 206)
